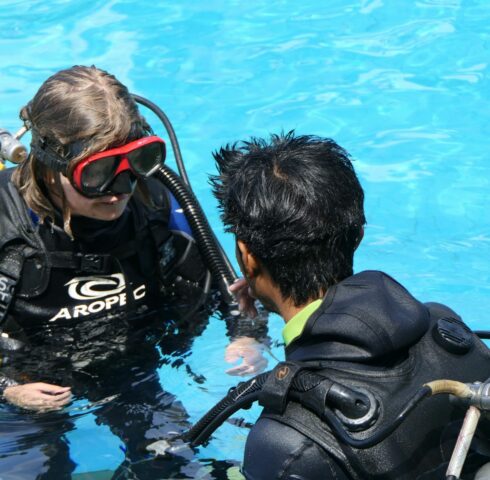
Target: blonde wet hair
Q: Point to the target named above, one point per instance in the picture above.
(81, 104)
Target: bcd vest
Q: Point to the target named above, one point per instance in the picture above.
(421, 447)
(27, 262)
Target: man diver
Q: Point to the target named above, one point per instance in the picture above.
(295, 206)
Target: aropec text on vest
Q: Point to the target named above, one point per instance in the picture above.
(99, 293)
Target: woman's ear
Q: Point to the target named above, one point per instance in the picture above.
(248, 263)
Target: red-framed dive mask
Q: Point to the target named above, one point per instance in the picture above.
(116, 170)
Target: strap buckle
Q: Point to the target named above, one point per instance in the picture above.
(94, 263)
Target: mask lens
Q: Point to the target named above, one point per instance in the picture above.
(125, 182)
(144, 159)
(96, 174)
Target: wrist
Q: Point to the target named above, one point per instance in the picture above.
(6, 382)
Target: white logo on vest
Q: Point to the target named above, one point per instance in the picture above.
(90, 288)
(107, 291)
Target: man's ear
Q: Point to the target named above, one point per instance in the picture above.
(248, 262)
(360, 237)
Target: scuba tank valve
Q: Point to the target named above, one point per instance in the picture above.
(10, 147)
(477, 397)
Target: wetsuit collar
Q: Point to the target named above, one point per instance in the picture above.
(365, 318)
(294, 327)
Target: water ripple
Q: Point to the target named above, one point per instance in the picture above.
(398, 40)
(404, 86)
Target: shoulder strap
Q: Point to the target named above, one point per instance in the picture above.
(11, 262)
(91, 262)
(308, 424)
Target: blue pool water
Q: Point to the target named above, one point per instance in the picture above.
(403, 86)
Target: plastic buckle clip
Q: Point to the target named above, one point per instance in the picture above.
(93, 263)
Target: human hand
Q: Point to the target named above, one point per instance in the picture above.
(244, 296)
(38, 396)
(252, 353)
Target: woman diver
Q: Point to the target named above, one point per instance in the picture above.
(93, 278)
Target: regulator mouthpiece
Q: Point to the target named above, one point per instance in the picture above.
(11, 149)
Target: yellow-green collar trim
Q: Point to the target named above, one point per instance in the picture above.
(294, 327)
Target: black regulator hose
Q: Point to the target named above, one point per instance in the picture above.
(241, 396)
(215, 257)
(170, 132)
(483, 334)
(201, 230)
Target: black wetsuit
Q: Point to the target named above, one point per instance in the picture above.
(370, 333)
(95, 313)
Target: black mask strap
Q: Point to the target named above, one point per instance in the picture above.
(43, 150)
(47, 155)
